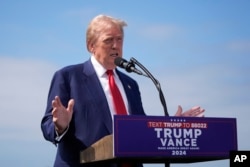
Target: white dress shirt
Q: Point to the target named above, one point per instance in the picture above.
(103, 78)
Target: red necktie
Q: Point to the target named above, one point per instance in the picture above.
(116, 95)
(118, 101)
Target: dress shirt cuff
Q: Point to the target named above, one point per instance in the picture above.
(59, 137)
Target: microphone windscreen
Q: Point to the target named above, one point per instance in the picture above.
(118, 61)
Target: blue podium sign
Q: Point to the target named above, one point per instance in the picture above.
(174, 137)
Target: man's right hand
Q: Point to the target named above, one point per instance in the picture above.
(62, 115)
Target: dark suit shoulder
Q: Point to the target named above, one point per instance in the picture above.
(65, 74)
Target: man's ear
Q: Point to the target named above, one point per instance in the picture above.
(91, 47)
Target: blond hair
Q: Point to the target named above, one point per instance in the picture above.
(100, 23)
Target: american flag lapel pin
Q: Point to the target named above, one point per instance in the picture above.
(129, 86)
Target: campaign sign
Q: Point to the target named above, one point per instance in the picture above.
(174, 137)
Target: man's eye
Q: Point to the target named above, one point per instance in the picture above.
(109, 40)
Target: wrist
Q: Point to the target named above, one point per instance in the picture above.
(60, 130)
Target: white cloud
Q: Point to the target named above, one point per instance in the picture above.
(24, 87)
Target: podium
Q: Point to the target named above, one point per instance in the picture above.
(160, 139)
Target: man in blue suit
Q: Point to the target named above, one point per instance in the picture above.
(80, 107)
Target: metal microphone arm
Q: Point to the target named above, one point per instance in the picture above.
(155, 81)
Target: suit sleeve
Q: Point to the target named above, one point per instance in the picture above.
(59, 87)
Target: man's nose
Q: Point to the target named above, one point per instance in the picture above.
(115, 44)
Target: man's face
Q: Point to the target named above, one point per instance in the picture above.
(108, 46)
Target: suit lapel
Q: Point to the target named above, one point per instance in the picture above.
(97, 92)
(128, 90)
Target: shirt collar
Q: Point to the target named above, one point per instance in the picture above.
(100, 70)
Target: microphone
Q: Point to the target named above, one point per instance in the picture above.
(128, 66)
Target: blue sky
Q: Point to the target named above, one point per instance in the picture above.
(198, 50)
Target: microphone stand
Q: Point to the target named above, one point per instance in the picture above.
(155, 81)
(158, 86)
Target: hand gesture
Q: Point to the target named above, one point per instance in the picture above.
(195, 111)
(61, 115)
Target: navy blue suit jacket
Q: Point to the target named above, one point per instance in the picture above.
(92, 118)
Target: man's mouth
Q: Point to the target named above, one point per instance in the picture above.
(114, 55)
